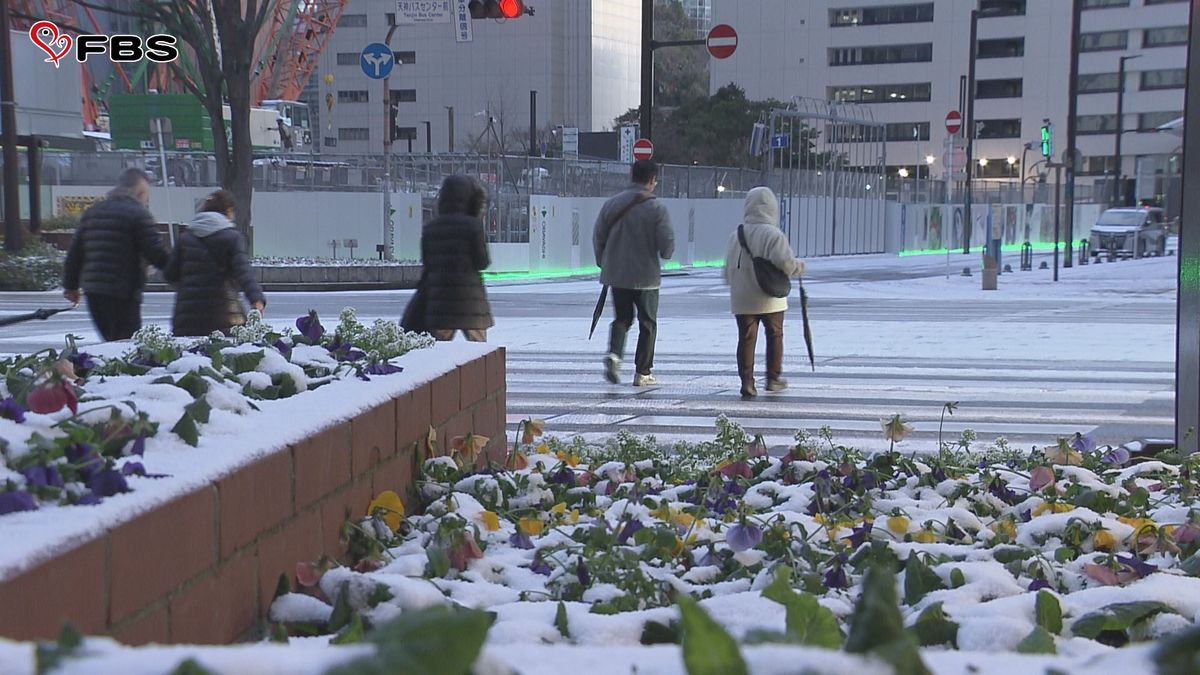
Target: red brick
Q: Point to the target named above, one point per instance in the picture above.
(350, 503)
(444, 397)
(472, 377)
(484, 418)
(413, 416)
(322, 464)
(396, 474)
(70, 587)
(298, 541)
(150, 627)
(220, 606)
(253, 500)
(495, 370)
(158, 551)
(372, 436)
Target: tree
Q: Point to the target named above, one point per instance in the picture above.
(217, 65)
(680, 73)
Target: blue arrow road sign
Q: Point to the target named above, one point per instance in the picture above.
(780, 140)
(376, 60)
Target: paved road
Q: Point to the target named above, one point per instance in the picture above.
(1030, 396)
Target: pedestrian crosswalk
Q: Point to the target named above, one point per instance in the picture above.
(1027, 403)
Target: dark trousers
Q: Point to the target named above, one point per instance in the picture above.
(115, 318)
(748, 340)
(471, 334)
(625, 300)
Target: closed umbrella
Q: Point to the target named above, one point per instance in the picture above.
(37, 314)
(599, 309)
(808, 340)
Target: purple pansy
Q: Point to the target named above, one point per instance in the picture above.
(859, 534)
(108, 483)
(628, 529)
(520, 540)
(43, 476)
(1142, 569)
(86, 459)
(11, 410)
(283, 348)
(836, 577)
(82, 361)
(709, 559)
(139, 445)
(540, 567)
(1039, 584)
(310, 326)
(585, 577)
(1117, 456)
(88, 499)
(1083, 443)
(564, 476)
(743, 536)
(16, 500)
(382, 368)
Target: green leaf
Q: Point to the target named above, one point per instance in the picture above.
(190, 667)
(434, 641)
(283, 586)
(165, 379)
(382, 593)
(186, 429)
(1008, 554)
(957, 579)
(244, 362)
(351, 634)
(193, 384)
(1116, 617)
(287, 386)
(1191, 566)
(439, 561)
(278, 633)
(656, 633)
(876, 627)
(808, 623)
(1049, 612)
(933, 628)
(342, 611)
(1179, 654)
(1040, 641)
(560, 620)
(919, 579)
(50, 655)
(200, 410)
(758, 636)
(707, 648)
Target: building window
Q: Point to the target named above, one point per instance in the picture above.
(878, 16)
(1101, 4)
(1169, 78)
(1001, 48)
(405, 58)
(354, 134)
(1100, 165)
(907, 131)
(330, 142)
(405, 134)
(1006, 128)
(1095, 124)
(1162, 2)
(852, 56)
(1098, 83)
(348, 58)
(879, 93)
(1151, 121)
(404, 95)
(1009, 88)
(1104, 41)
(1165, 37)
(354, 96)
(994, 8)
(352, 21)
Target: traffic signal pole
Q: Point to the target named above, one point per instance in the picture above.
(969, 128)
(649, 44)
(1187, 310)
(389, 239)
(1072, 112)
(8, 119)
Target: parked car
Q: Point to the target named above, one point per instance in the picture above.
(1129, 233)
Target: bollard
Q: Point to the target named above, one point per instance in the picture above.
(1045, 265)
(1026, 257)
(966, 271)
(1084, 253)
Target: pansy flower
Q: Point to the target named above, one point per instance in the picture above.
(743, 536)
(628, 529)
(43, 476)
(310, 326)
(16, 500)
(11, 410)
(107, 483)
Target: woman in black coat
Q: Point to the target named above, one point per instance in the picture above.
(454, 251)
(208, 268)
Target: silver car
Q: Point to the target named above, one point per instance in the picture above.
(1129, 233)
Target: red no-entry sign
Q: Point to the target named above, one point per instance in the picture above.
(953, 122)
(722, 41)
(643, 149)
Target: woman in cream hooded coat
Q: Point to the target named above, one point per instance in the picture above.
(750, 305)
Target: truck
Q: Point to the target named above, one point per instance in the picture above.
(275, 127)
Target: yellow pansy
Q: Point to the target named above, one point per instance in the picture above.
(571, 460)
(559, 508)
(491, 521)
(662, 511)
(1104, 540)
(531, 526)
(898, 524)
(819, 517)
(390, 508)
(683, 519)
(925, 537)
(573, 516)
(1140, 525)
(542, 449)
(1052, 507)
(1005, 529)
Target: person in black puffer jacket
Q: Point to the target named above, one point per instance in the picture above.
(454, 251)
(208, 268)
(107, 257)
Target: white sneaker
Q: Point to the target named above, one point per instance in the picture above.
(640, 380)
(611, 369)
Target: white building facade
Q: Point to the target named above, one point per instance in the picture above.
(582, 57)
(907, 60)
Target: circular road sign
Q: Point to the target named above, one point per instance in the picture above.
(953, 121)
(643, 149)
(722, 41)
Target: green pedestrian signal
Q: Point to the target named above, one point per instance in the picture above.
(1047, 140)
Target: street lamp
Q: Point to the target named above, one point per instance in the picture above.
(1117, 187)
(1011, 161)
(903, 172)
(983, 162)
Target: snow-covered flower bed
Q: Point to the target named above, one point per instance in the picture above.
(718, 558)
(73, 426)
(301, 261)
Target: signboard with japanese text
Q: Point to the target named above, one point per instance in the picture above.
(422, 11)
(463, 29)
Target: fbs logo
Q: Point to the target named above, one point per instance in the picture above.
(120, 48)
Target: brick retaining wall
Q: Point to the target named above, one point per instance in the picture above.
(203, 567)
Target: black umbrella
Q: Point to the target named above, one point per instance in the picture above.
(599, 309)
(807, 328)
(38, 314)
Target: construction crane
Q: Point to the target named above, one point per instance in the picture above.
(299, 32)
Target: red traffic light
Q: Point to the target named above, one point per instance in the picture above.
(511, 9)
(497, 9)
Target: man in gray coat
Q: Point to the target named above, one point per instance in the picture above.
(632, 232)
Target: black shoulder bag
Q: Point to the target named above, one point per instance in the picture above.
(770, 278)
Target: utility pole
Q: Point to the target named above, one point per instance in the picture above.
(1072, 113)
(1118, 187)
(1187, 309)
(428, 137)
(533, 144)
(389, 128)
(450, 125)
(8, 120)
(969, 129)
(646, 107)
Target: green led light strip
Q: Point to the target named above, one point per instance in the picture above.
(583, 271)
